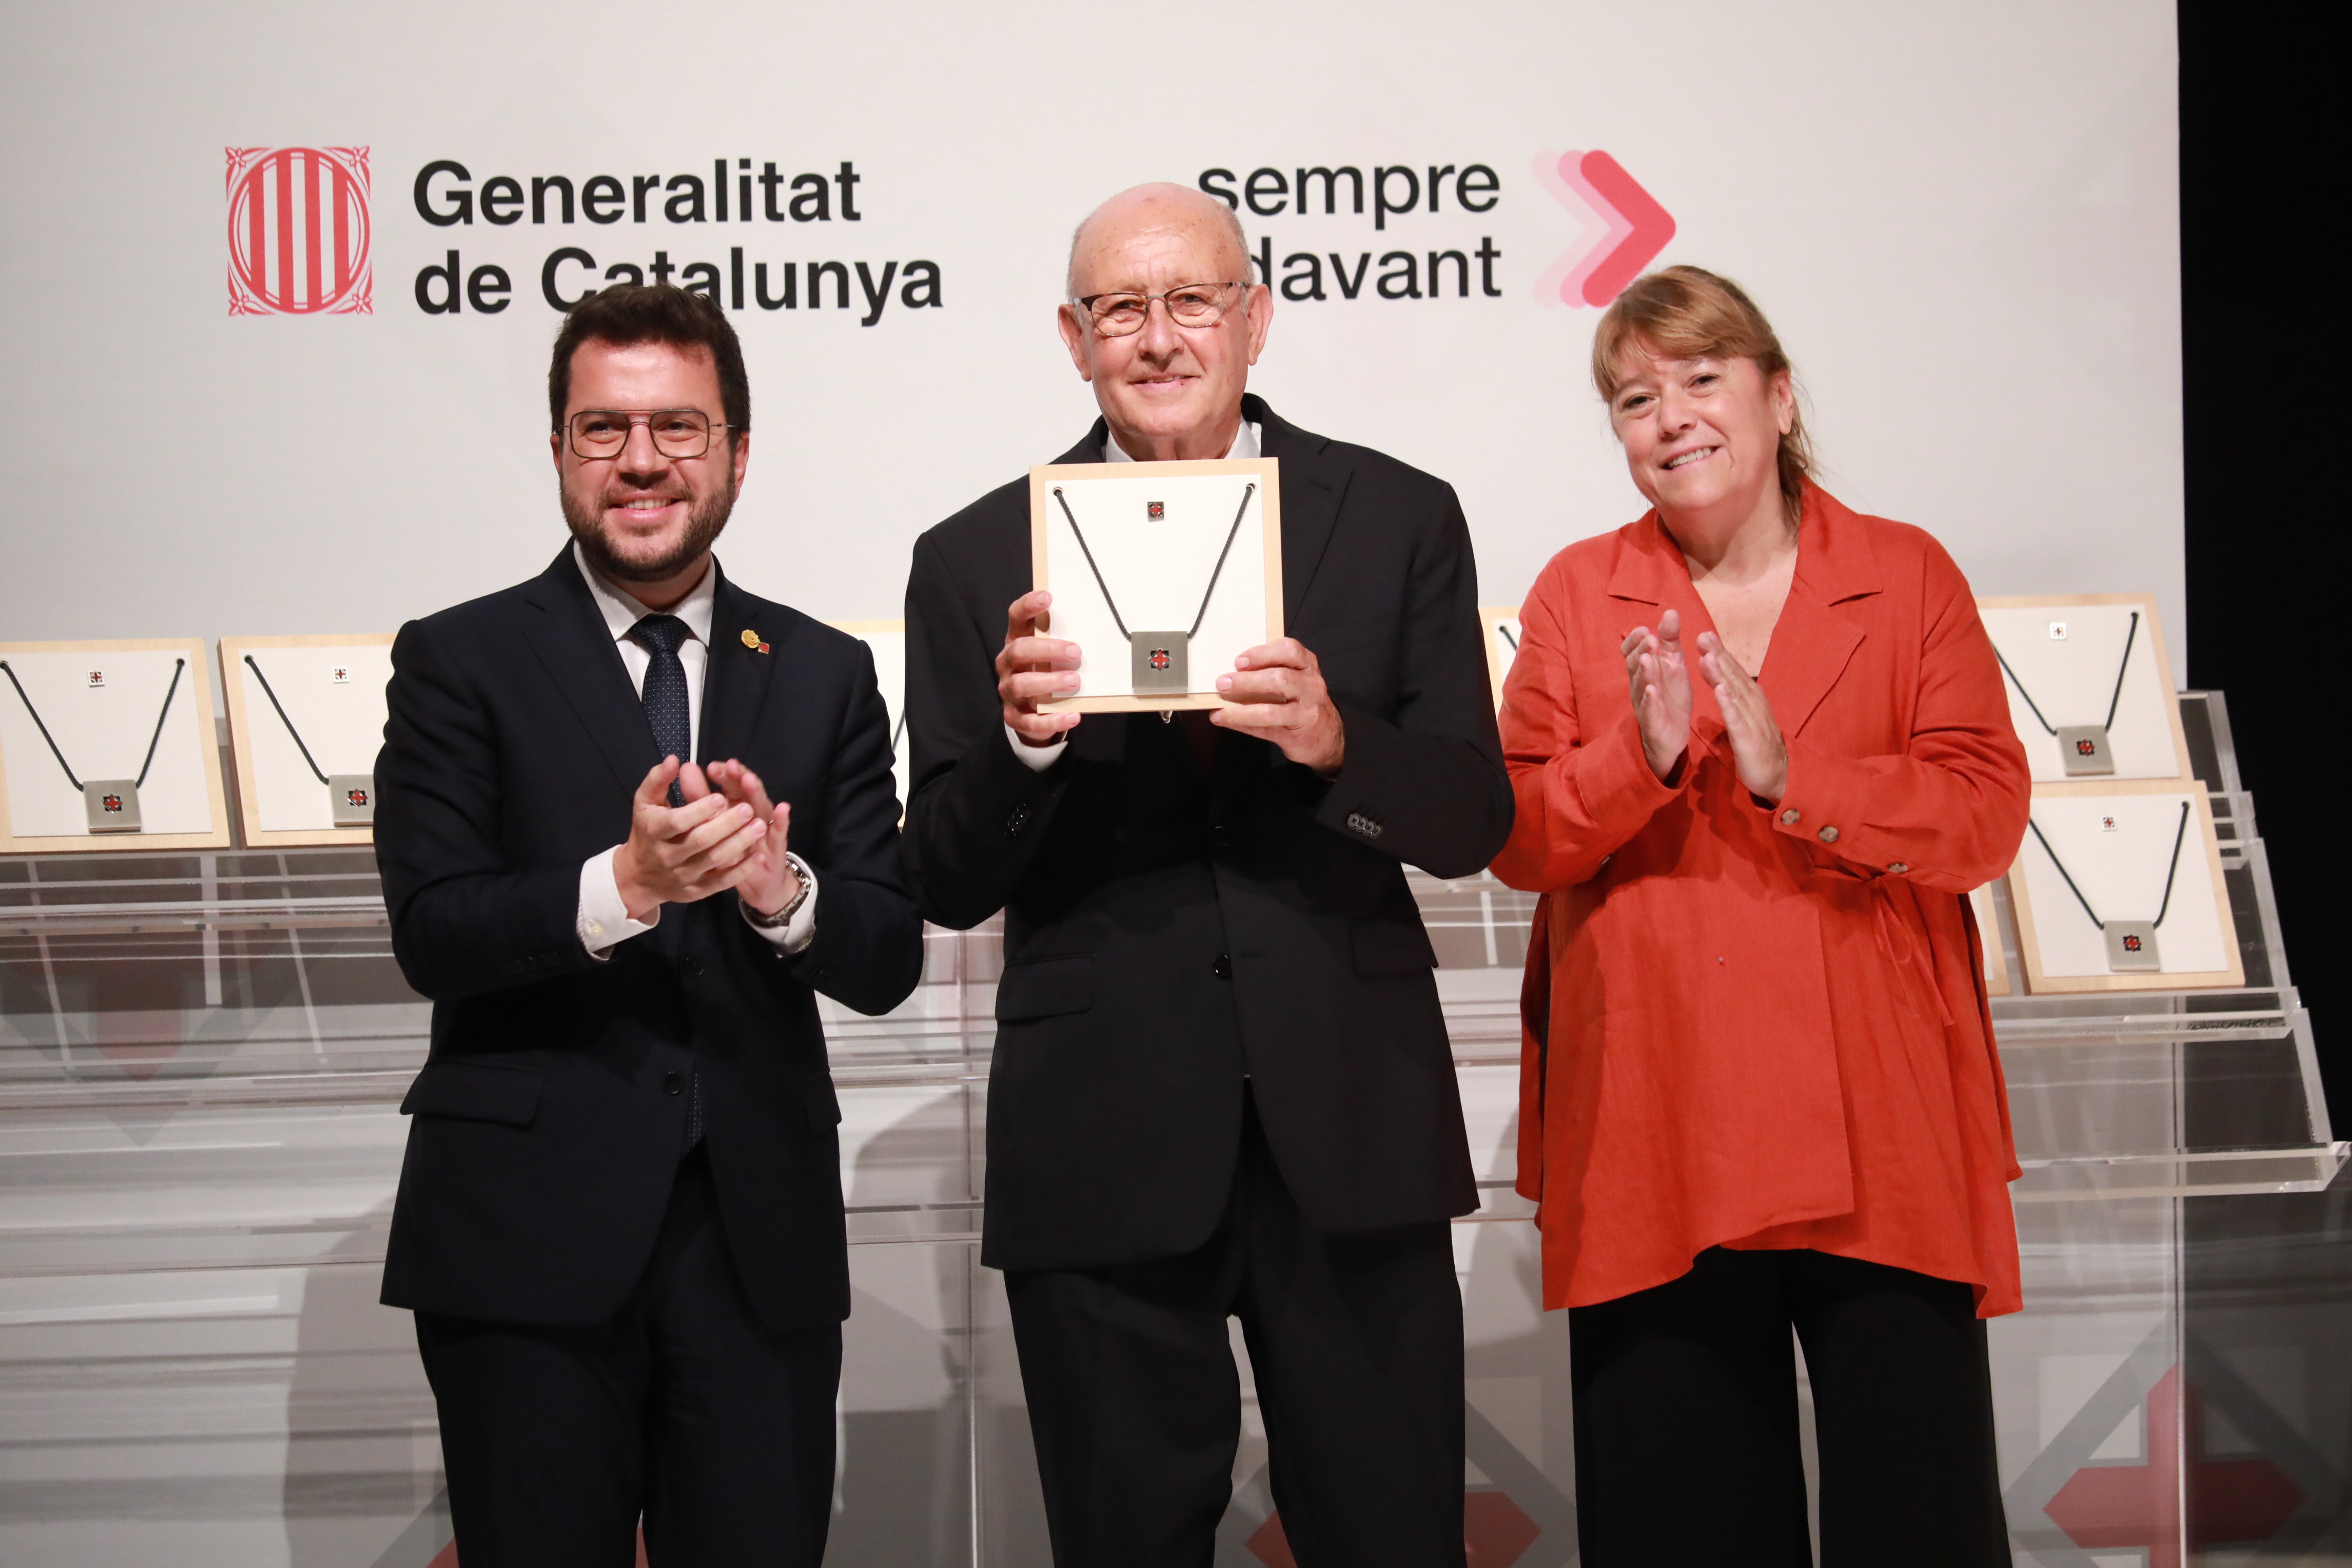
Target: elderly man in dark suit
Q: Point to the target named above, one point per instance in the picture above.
(620, 1217)
(1221, 1086)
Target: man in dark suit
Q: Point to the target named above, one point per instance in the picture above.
(1222, 1085)
(620, 1217)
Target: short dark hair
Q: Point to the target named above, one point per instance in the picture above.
(653, 313)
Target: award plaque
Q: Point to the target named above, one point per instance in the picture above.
(1499, 624)
(886, 641)
(108, 745)
(306, 719)
(2090, 686)
(2119, 888)
(1982, 902)
(1160, 573)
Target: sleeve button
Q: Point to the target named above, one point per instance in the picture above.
(1898, 868)
(1828, 835)
(1791, 816)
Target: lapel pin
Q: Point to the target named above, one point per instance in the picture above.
(750, 638)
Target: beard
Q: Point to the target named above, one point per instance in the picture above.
(703, 523)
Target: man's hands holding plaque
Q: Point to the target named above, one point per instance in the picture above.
(727, 835)
(1032, 668)
(1277, 688)
(1282, 699)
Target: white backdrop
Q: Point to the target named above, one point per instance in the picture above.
(1962, 217)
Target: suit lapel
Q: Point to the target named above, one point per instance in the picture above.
(736, 683)
(573, 644)
(1313, 486)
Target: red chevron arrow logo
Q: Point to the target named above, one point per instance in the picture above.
(1624, 228)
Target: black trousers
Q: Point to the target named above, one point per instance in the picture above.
(684, 1407)
(1356, 1342)
(1686, 1437)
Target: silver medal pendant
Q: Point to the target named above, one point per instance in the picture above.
(2085, 749)
(353, 797)
(2131, 947)
(1159, 666)
(111, 805)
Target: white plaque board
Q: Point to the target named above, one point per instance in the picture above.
(1500, 625)
(1157, 533)
(101, 702)
(332, 690)
(887, 640)
(2063, 654)
(2117, 845)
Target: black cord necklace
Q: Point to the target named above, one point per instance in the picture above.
(2082, 747)
(351, 795)
(1157, 660)
(2131, 944)
(109, 806)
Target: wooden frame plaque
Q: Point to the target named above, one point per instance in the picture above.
(2071, 660)
(131, 739)
(299, 707)
(2117, 844)
(1188, 555)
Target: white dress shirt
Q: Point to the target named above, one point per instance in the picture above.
(1040, 757)
(602, 920)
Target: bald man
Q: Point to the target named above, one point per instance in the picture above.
(1221, 1086)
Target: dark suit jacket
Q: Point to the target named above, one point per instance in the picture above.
(1167, 932)
(549, 1121)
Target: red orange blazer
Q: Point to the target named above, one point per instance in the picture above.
(1763, 1025)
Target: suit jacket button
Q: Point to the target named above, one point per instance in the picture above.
(695, 967)
(673, 1083)
(1223, 968)
(1791, 816)
(1221, 836)
(1898, 868)
(1828, 835)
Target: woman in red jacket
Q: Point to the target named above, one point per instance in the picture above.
(1761, 754)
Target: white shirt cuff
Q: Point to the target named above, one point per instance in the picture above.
(1036, 759)
(797, 934)
(602, 920)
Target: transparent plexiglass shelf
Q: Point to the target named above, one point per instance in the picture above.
(201, 1058)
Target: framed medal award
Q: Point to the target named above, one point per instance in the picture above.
(1160, 573)
(109, 746)
(2121, 889)
(2090, 686)
(306, 720)
(1499, 624)
(886, 641)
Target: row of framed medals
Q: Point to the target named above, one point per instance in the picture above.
(110, 745)
(2118, 886)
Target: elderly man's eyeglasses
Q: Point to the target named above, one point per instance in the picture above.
(676, 432)
(1189, 305)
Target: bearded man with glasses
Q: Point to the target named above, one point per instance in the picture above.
(632, 820)
(1222, 1087)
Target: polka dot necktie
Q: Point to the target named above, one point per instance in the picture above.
(665, 692)
(666, 711)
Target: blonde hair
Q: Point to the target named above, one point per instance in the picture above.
(1688, 312)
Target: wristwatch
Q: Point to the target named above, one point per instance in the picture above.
(784, 917)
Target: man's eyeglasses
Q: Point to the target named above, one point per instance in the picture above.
(676, 432)
(1189, 305)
